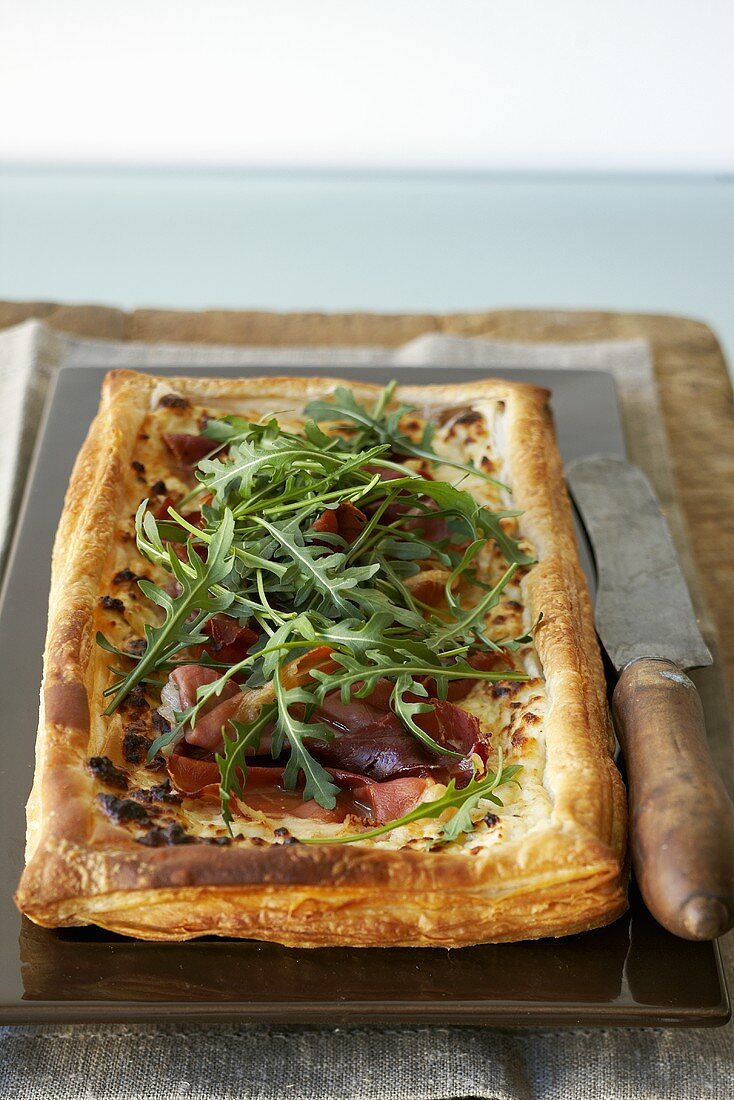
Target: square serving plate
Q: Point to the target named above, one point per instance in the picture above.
(630, 973)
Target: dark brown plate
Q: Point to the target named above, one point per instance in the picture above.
(631, 973)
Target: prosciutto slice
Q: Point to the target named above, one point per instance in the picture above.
(380, 752)
(160, 511)
(207, 733)
(346, 521)
(370, 741)
(373, 742)
(386, 801)
(191, 775)
(361, 715)
(264, 794)
(429, 586)
(229, 642)
(450, 726)
(188, 449)
(377, 803)
(180, 693)
(184, 682)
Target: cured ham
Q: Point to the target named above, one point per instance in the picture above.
(160, 510)
(229, 642)
(428, 586)
(264, 792)
(450, 726)
(180, 692)
(191, 775)
(207, 733)
(382, 751)
(184, 682)
(361, 715)
(386, 801)
(372, 741)
(186, 448)
(346, 521)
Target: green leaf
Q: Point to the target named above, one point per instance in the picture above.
(459, 503)
(383, 427)
(343, 406)
(489, 522)
(464, 628)
(373, 602)
(355, 636)
(319, 439)
(317, 570)
(319, 784)
(233, 759)
(198, 580)
(400, 657)
(406, 711)
(245, 461)
(298, 628)
(462, 801)
(225, 429)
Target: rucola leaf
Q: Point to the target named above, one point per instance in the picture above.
(185, 614)
(381, 427)
(232, 760)
(318, 782)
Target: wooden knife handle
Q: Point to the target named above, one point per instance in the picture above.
(681, 818)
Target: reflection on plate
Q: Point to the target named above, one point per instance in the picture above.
(612, 969)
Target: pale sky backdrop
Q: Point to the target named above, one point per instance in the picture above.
(457, 84)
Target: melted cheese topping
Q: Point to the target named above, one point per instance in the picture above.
(511, 714)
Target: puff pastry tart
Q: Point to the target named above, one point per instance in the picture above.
(321, 669)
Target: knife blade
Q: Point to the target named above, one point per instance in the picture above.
(681, 818)
(643, 607)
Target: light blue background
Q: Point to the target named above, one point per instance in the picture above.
(395, 242)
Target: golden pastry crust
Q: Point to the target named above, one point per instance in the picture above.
(564, 875)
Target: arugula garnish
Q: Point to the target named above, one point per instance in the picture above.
(462, 801)
(319, 575)
(381, 427)
(319, 784)
(184, 615)
(255, 556)
(232, 761)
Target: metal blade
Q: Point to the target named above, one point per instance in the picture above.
(642, 604)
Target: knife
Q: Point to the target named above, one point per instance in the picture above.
(681, 817)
